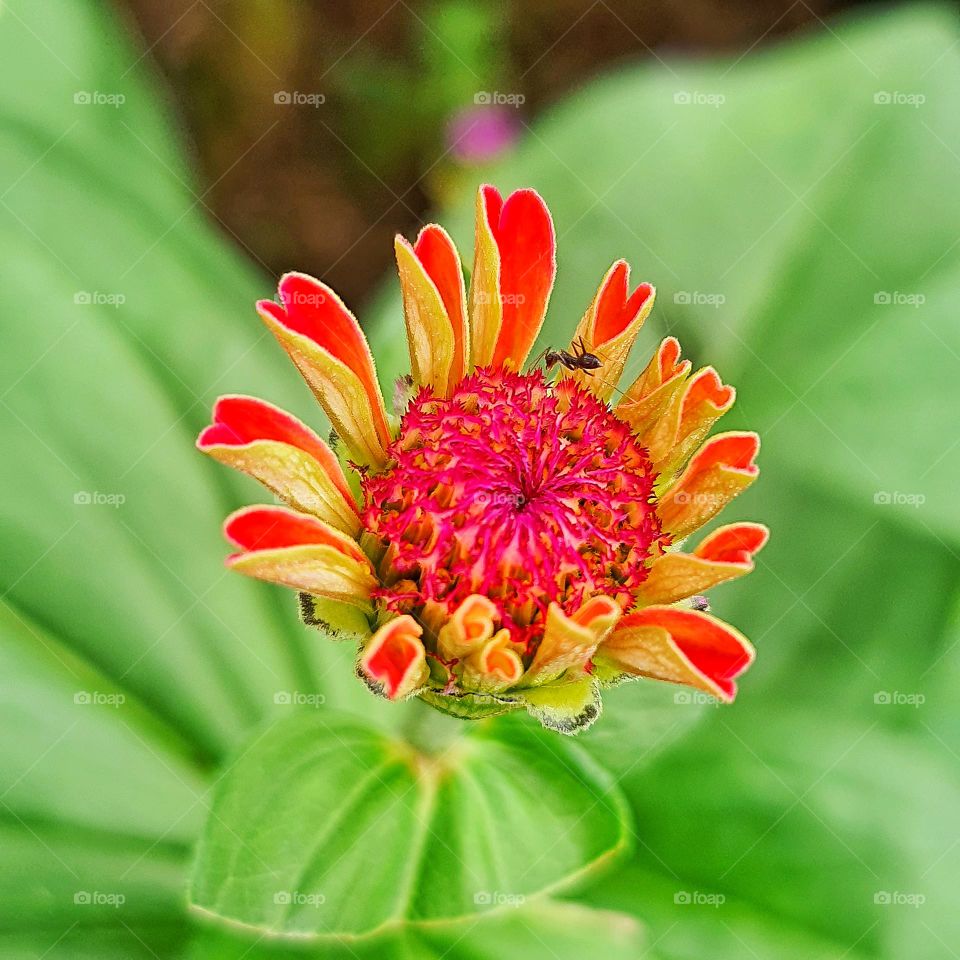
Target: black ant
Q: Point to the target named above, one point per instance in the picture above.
(580, 359)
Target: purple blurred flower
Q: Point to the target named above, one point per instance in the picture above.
(481, 132)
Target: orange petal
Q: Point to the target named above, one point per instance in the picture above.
(514, 269)
(569, 642)
(299, 551)
(727, 553)
(610, 327)
(326, 343)
(680, 646)
(734, 543)
(720, 470)
(686, 420)
(394, 660)
(469, 628)
(285, 455)
(655, 389)
(439, 256)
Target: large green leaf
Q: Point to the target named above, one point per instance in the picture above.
(323, 827)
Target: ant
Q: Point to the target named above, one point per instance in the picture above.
(580, 359)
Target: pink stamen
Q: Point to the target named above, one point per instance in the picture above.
(516, 489)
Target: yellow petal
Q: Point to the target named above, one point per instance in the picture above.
(496, 666)
(429, 329)
(470, 627)
(329, 349)
(569, 642)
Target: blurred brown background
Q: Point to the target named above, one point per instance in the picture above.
(317, 99)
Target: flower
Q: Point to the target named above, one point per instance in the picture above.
(508, 538)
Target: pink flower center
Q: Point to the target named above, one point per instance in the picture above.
(517, 489)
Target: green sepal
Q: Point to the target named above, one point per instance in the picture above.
(568, 707)
(339, 621)
(470, 706)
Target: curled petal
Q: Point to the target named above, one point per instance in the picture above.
(680, 646)
(282, 453)
(569, 642)
(470, 627)
(720, 470)
(610, 327)
(495, 666)
(326, 343)
(735, 543)
(686, 420)
(394, 661)
(514, 269)
(299, 551)
(654, 390)
(727, 553)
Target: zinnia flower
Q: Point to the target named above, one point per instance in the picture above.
(505, 539)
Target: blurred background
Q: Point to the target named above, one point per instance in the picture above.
(329, 186)
(785, 173)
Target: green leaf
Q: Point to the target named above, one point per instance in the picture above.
(317, 805)
(540, 930)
